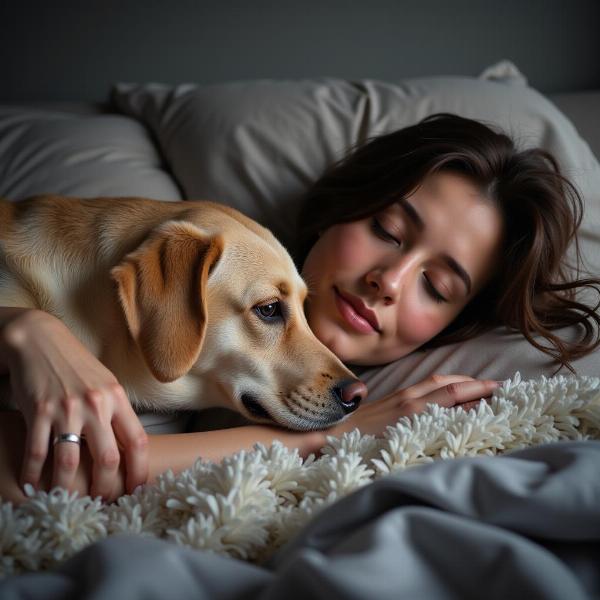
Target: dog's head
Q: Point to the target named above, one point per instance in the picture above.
(217, 297)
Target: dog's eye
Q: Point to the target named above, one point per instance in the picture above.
(269, 311)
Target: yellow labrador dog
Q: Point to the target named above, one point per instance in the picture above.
(189, 304)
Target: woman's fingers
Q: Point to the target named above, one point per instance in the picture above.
(96, 415)
(469, 405)
(61, 387)
(66, 457)
(134, 441)
(460, 392)
(106, 457)
(36, 450)
(430, 384)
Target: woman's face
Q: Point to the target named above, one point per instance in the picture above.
(383, 286)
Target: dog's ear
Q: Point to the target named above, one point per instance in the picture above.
(162, 289)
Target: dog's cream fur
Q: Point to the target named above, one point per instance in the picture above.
(166, 295)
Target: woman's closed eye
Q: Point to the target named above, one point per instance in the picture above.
(432, 291)
(381, 232)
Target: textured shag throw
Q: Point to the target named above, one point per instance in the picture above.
(252, 502)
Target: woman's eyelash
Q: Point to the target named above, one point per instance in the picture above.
(380, 231)
(432, 291)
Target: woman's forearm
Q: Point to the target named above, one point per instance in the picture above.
(176, 451)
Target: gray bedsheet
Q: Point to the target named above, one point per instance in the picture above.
(522, 525)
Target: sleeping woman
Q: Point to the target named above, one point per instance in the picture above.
(429, 235)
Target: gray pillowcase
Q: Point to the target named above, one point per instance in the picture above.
(45, 151)
(258, 145)
(582, 108)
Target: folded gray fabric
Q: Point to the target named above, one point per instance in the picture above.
(521, 525)
(73, 153)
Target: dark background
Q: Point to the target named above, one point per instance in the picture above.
(72, 51)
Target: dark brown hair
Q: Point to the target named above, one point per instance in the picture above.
(533, 291)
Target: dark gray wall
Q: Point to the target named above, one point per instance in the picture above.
(57, 50)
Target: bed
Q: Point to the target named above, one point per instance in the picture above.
(520, 520)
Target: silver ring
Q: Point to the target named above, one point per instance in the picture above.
(68, 437)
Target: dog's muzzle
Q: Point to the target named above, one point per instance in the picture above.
(347, 396)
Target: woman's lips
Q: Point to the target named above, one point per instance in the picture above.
(349, 306)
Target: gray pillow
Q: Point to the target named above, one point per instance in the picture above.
(583, 109)
(258, 145)
(62, 152)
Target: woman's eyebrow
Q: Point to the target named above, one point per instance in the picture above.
(414, 216)
(456, 267)
(412, 213)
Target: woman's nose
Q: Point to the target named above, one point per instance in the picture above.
(387, 281)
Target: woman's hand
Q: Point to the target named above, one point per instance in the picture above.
(445, 390)
(13, 433)
(60, 387)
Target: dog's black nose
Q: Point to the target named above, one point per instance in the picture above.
(349, 393)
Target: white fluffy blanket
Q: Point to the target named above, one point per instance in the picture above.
(252, 502)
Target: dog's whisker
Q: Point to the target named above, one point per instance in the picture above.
(311, 408)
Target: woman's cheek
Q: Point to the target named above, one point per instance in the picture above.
(347, 246)
(420, 326)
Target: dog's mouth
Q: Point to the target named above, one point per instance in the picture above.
(254, 407)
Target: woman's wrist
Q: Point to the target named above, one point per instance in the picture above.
(15, 326)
